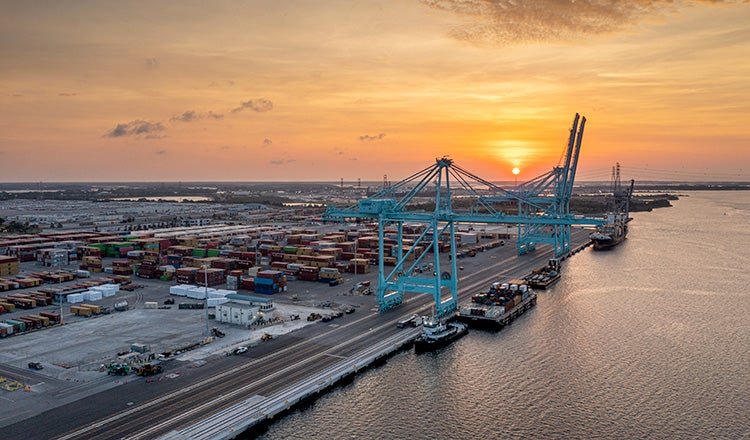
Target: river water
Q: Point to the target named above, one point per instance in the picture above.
(650, 340)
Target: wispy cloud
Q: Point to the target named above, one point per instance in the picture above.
(137, 128)
(187, 116)
(258, 105)
(282, 161)
(369, 138)
(229, 83)
(151, 130)
(161, 152)
(512, 21)
(267, 142)
(190, 116)
(152, 63)
(66, 94)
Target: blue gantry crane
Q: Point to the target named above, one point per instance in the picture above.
(426, 198)
(548, 195)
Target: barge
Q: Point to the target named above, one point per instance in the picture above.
(497, 308)
(545, 276)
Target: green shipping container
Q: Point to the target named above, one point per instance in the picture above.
(213, 252)
(21, 325)
(199, 252)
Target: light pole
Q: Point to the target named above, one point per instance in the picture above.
(205, 281)
(59, 285)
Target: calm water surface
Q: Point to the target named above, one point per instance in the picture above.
(650, 340)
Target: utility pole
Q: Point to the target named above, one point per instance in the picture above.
(59, 284)
(205, 282)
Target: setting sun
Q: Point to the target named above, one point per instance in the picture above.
(516, 171)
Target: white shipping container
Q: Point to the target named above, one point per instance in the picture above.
(107, 289)
(151, 305)
(199, 292)
(179, 290)
(225, 292)
(213, 302)
(92, 295)
(74, 298)
(108, 293)
(8, 328)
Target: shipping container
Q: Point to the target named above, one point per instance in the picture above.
(53, 317)
(19, 326)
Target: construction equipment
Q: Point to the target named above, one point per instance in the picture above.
(35, 365)
(266, 337)
(362, 288)
(218, 333)
(121, 306)
(118, 369)
(313, 316)
(149, 370)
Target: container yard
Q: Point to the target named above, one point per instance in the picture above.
(114, 288)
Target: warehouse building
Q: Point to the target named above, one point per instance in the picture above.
(243, 309)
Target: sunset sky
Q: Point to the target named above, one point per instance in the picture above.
(321, 90)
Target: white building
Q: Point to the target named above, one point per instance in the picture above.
(243, 309)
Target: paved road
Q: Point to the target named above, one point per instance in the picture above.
(147, 409)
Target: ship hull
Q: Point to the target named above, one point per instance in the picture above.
(603, 244)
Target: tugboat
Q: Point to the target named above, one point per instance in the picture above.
(437, 334)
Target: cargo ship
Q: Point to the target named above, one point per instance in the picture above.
(615, 229)
(545, 276)
(437, 333)
(611, 233)
(497, 308)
